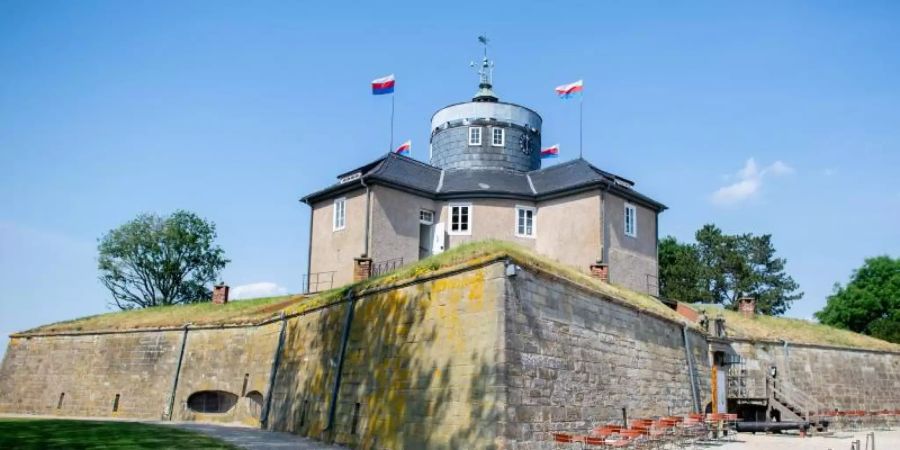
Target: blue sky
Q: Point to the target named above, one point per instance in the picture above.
(764, 117)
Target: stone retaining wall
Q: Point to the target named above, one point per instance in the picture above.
(575, 360)
(479, 358)
(844, 379)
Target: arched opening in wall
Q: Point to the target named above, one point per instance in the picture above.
(62, 397)
(213, 402)
(256, 403)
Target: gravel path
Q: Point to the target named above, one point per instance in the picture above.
(841, 440)
(253, 438)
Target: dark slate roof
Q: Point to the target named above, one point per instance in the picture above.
(486, 181)
(411, 175)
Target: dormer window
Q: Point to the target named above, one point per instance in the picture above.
(498, 136)
(474, 135)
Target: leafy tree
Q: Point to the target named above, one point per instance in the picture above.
(721, 268)
(680, 272)
(870, 302)
(155, 260)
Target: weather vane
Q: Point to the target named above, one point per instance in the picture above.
(486, 71)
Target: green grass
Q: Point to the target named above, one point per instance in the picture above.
(243, 311)
(75, 434)
(771, 328)
(254, 311)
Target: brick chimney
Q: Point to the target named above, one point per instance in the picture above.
(601, 271)
(747, 306)
(220, 294)
(362, 268)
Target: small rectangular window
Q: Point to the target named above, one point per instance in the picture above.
(62, 396)
(426, 217)
(630, 220)
(474, 135)
(116, 403)
(460, 219)
(498, 137)
(340, 213)
(525, 221)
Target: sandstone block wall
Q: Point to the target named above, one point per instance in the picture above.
(842, 379)
(474, 359)
(574, 360)
(88, 371)
(221, 360)
(422, 367)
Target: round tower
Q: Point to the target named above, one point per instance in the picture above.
(486, 133)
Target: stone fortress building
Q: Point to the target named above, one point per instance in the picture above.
(484, 181)
(488, 346)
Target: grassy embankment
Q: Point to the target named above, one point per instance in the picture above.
(772, 328)
(257, 310)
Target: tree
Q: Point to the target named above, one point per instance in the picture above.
(870, 302)
(155, 260)
(680, 272)
(721, 268)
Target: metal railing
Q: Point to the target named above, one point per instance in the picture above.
(652, 284)
(317, 282)
(383, 267)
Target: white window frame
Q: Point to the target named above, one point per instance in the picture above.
(339, 214)
(502, 137)
(630, 228)
(468, 230)
(533, 212)
(480, 136)
(424, 215)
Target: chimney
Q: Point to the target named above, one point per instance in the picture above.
(220, 294)
(362, 268)
(747, 306)
(601, 271)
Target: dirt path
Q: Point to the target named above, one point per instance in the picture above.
(252, 438)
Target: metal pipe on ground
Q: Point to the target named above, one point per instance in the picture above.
(766, 427)
(345, 336)
(273, 371)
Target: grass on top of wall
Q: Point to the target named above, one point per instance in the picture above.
(771, 328)
(257, 310)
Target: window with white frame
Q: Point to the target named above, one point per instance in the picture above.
(630, 220)
(426, 216)
(525, 221)
(498, 137)
(461, 218)
(340, 213)
(474, 135)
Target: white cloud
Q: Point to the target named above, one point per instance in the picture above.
(749, 182)
(779, 168)
(256, 290)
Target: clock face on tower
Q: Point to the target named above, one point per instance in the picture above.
(525, 144)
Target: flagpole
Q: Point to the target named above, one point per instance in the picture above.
(581, 126)
(391, 148)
